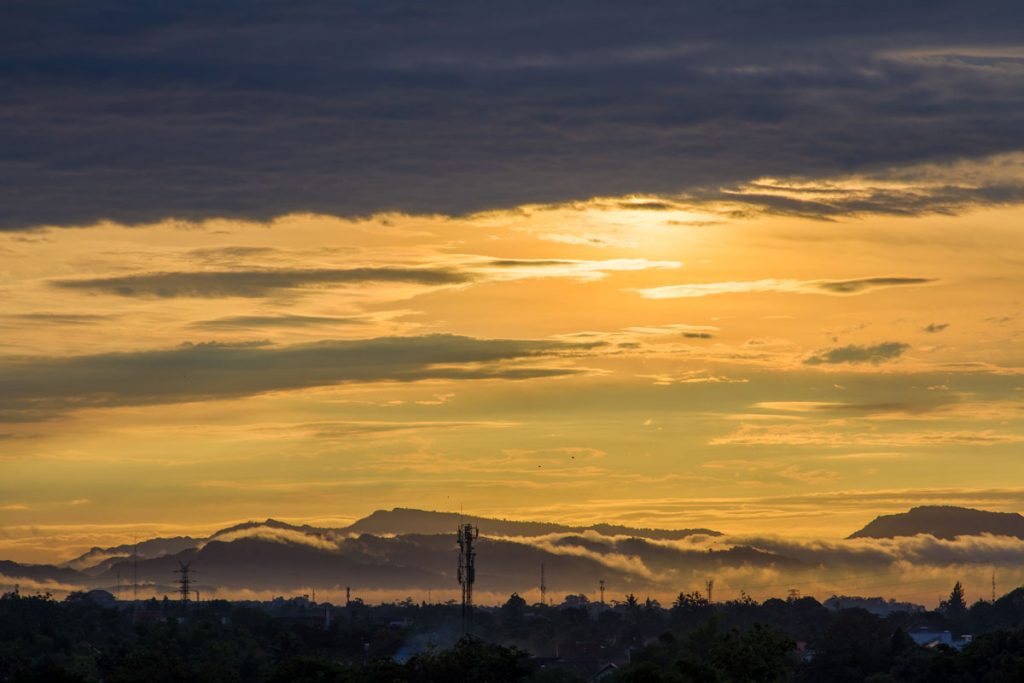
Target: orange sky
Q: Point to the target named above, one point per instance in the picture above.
(643, 360)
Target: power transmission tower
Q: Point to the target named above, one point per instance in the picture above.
(467, 570)
(185, 582)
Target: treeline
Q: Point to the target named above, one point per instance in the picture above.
(77, 640)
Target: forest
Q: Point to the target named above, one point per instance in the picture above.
(84, 638)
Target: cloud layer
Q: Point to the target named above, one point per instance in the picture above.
(197, 109)
(854, 354)
(834, 287)
(253, 283)
(35, 387)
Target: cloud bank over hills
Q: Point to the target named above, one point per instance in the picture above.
(404, 551)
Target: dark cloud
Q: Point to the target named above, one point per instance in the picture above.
(252, 283)
(262, 321)
(698, 335)
(911, 200)
(140, 111)
(863, 284)
(34, 388)
(936, 327)
(874, 354)
(647, 206)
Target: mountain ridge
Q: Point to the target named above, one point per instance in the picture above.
(397, 521)
(946, 522)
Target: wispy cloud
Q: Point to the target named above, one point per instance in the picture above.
(247, 322)
(197, 372)
(517, 269)
(821, 435)
(832, 287)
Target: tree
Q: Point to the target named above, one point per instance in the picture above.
(512, 611)
(955, 606)
(690, 601)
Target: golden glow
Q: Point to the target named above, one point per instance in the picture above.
(841, 369)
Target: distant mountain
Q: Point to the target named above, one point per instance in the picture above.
(427, 561)
(405, 549)
(410, 521)
(98, 559)
(396, 522)
(943, 521)
(41, 573)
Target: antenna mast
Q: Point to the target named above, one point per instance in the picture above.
(710, 585)
(602, 591)
(135, 570)
(467, 570)
(543, 587)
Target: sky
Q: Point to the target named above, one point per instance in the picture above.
(752, 266)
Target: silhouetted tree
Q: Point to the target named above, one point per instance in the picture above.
(955, 605)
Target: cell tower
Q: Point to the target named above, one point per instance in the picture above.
(467, 569)
(135, 573)
(185, 582)
(710, 586)
(543, 587)
(601, 584)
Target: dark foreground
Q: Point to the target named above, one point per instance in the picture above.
(93, 638)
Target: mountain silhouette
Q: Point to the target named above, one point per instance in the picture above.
(943, 521)
(411, 521)
(403, 549)
(395, 522)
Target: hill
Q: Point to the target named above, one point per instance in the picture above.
(395, 522)
(400, 521)
(943, 521)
